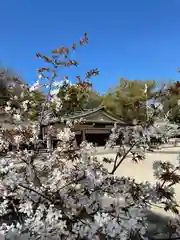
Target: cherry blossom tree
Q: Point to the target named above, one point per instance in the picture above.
(60, 195)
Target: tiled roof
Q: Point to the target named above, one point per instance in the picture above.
(50, 118)
(86, 112)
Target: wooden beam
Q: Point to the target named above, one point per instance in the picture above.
(98, 131)
(82, 126)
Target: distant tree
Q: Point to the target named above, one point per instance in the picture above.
(128, 99)
(13, 87)
(74, 96)
(37, 98)
(94, 100)
(10, 85)
(4, 95)
(170, 100)
(7, 79)
(110, 102)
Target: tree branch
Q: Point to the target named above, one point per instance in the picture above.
(40, 194)
(122, 159)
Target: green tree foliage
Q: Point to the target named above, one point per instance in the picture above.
(94, 100)
(169, 99)
(10, 85)
(74, 96)
(128, 99)
(4, 95)
(38, 98)
(13, 87)
(110, 102)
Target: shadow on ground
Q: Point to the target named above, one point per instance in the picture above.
(156, 227)
(156, 223)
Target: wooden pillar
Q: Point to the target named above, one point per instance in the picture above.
(49, 143)
(83, 135)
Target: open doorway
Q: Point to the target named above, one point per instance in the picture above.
(97, 139)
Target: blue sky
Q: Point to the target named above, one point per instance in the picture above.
(136, 39)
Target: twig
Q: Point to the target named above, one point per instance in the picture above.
(74, 181)
(43, 109)
(32, 190)
(122, 159)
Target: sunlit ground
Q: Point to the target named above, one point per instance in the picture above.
(143, 171)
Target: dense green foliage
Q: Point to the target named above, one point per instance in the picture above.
(170, 100)
(128, 100)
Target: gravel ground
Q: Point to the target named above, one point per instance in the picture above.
(143, 172)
